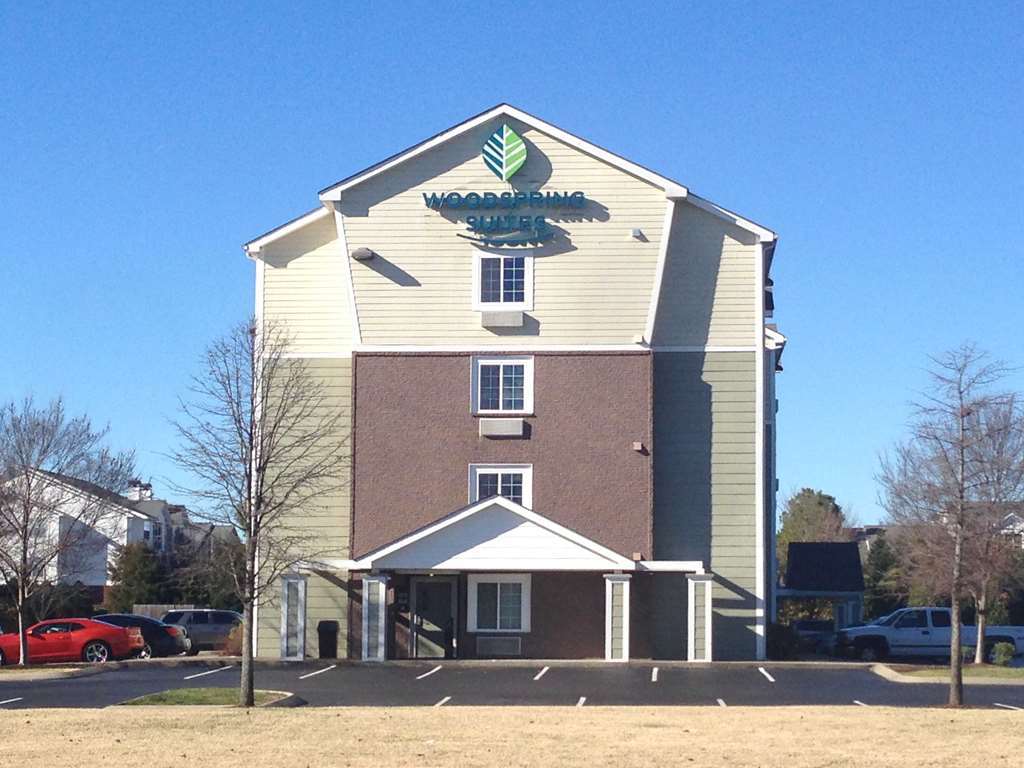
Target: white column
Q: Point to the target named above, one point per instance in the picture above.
(375, 590)
(698, 609)
(616, 616)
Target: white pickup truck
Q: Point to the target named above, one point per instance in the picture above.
(918, 632)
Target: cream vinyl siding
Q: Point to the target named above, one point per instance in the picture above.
(593, 285)
(709, 286)
(327, 523)
(305, 289)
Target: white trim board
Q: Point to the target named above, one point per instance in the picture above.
(513, 348)
(350, 289)
(659, 273)
(760, 575)
(534, 348)
(315, 355)
(253, 247)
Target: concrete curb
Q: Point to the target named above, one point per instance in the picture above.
(884, 670)
(41, 673)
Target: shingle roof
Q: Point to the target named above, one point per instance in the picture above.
(824, 566)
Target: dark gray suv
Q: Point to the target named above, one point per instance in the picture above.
(207, 628)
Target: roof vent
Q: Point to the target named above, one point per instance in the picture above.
(363, 254)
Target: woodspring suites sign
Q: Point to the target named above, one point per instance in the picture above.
(505, 218)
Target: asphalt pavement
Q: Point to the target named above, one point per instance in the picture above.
(475, 684)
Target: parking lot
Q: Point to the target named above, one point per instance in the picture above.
(453, 684)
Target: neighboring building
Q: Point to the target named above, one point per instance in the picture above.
(558, 389)
(116, 521)
(866, 536)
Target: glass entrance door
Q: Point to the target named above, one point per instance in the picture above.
(433, 617)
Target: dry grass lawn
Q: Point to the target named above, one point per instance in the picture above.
(971, 672)
(455, 736)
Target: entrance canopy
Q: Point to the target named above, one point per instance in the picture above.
(499, 535)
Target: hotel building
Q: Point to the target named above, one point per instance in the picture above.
(557, 379)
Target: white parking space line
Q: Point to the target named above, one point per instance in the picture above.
(428, 674)
(721, 702)
(654, 675)
(318, 672)
(582, 701)
(208, 672)
(11, 701)
(764, 672)
(995, 704)
(443, 701)
(541, 674)
(859, 703)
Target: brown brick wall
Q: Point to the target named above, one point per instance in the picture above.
(415, 437)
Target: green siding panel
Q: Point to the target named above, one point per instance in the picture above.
(704, 482)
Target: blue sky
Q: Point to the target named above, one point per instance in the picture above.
(883, 141)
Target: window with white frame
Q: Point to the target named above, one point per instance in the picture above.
(503, 281)
(512, 481)
(147, 532)
(499, 602)
(503, 385)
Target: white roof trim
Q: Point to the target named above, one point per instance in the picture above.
(367, 561)
(673, 566)
(764, 235)
(672, 189)
(777, 339)
(253, 247)
(117, 506)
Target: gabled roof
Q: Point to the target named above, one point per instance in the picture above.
(494, 534)
(673, 189)
(824, 566)
(84, 486)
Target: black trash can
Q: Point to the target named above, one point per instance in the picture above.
(327, 633)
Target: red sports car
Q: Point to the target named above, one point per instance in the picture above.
(73, 640)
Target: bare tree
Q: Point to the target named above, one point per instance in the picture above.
(58, 486)
(932, 481)
(991, 556)
(260, 435)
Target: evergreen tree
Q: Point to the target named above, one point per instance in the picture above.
(882, 592)
(138, 576)
(809, 515)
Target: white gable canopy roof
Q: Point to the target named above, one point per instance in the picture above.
(494, 534)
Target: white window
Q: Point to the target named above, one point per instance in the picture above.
(503, 385)
(147, 532)
(503, 281)
(513, 481)
(499, 602)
